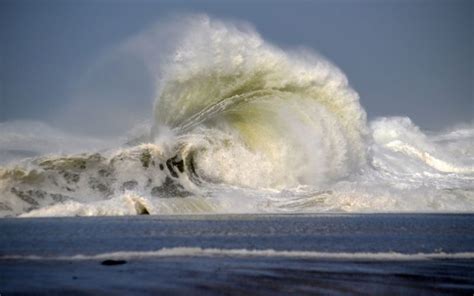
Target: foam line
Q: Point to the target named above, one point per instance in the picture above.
(210, 252)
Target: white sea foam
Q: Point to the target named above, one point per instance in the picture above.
(210, 252)
(241, 126)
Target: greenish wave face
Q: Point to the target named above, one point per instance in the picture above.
(295, 116)
(240, 126)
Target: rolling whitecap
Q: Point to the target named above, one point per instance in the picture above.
(243, 126)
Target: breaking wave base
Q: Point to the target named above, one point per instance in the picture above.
(241, 126)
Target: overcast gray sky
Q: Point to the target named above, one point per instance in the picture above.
(410, 58)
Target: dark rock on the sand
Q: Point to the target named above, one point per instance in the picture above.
(111, 262)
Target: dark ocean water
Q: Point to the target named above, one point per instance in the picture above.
(396, 254)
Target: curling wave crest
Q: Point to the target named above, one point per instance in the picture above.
(241, 126)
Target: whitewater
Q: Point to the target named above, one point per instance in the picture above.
(240, 126)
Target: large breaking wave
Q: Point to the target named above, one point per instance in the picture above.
(241, 126)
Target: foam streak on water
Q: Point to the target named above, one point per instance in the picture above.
(241, 126)
(195, 251)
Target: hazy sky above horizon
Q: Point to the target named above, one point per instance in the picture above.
(406, 58)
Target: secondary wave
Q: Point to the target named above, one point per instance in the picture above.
(208, 252)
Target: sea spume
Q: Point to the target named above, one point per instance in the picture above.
(242, 126)
(260, 117)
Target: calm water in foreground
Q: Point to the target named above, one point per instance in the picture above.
(239, 254)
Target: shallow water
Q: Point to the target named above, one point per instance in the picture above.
(236, 254)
